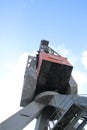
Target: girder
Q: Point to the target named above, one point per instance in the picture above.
(23, 117)
(69, 109)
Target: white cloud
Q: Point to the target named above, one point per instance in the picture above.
(61, 49)
(84, 59)
(81, 75)
(81, 79)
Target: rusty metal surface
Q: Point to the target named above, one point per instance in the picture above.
(52, 58)
(53, 77)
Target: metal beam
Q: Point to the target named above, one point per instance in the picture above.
(41, 123)
(68, 105)
(19, 120)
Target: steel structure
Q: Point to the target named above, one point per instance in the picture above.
(49, 95)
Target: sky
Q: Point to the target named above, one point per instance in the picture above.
(23, 24)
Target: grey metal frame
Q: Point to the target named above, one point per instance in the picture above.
(72, 108)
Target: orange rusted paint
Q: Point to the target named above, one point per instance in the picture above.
(52, 58)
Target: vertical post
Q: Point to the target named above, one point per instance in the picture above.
(41, 123)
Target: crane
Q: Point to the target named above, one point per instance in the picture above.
(49, 94)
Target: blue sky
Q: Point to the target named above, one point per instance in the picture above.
(23, 23)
